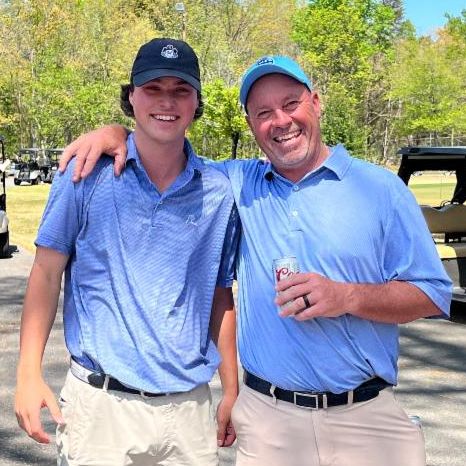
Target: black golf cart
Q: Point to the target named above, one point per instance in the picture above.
(4, 231)
(446, 221)
(53, 157)
(29, 169)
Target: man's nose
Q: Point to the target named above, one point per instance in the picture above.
(166, 100)
(281, 118)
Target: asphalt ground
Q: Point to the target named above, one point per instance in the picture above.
(432, 383)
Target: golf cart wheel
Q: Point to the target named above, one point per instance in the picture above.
(35, 181)
(17, 182)
(5, 244)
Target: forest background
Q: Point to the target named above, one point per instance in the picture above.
(62, 63)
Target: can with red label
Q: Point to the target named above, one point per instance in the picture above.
(284, 268)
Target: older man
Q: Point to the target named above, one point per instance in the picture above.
(320, 357)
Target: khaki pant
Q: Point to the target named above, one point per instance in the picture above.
(372, 433)
(115, 429)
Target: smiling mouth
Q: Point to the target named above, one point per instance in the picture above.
(287, 137)
(160, 117)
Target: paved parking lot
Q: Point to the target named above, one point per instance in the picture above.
(432, 378)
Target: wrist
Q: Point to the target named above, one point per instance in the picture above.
(27, 371)
(230, 393)
(351, 298)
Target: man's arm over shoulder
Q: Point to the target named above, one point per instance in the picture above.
(89, 147)
(234, 168)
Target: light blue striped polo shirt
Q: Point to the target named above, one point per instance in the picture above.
(347, 220)
(143, 268)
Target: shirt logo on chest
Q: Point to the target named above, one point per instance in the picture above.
(191, 220)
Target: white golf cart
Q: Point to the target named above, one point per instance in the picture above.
(4, 231)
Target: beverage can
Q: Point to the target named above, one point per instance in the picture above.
(284, 268)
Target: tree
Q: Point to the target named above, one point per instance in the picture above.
(428, 82)
(347, 46)
(222, 132)
(64, 62)
(70, 56)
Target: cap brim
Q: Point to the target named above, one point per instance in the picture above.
(142, 78)
(260, 71)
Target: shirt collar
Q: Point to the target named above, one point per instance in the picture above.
(338, 162)
(193, 164)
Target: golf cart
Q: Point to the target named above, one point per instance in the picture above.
(53, 157)
(29, 170)
(4, 232)
(446, 221)
(11, 170)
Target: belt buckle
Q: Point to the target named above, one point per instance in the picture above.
(315, 396)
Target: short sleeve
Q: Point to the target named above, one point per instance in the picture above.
(226, 273)
(410, 254)
(60, 222)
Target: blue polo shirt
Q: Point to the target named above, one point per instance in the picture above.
(349, 221)
(142, 269)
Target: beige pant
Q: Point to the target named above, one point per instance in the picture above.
(115, 429)
(371, 433)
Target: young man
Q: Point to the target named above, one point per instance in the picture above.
(148, 260)
(319, 370)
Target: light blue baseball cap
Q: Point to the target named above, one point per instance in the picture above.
(268, 65)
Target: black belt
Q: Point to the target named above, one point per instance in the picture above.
(99, 380)
(315, 400)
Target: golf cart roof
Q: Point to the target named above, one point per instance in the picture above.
(57, 150)
(417, 159)
(30, 149)
(431, 158)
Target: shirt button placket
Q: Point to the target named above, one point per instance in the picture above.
(154, 212)
(294, 208)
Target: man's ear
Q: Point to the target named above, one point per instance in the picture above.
(315, 103)
(130, 97)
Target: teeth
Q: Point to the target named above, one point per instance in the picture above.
(288, 136)
(165, 117)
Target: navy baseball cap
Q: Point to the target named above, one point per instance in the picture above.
(166, 57)
(268, 65)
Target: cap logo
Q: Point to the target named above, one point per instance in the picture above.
(265, 61)
(169, 51)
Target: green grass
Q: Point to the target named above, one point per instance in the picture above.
(431, 193)
(26, 204)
